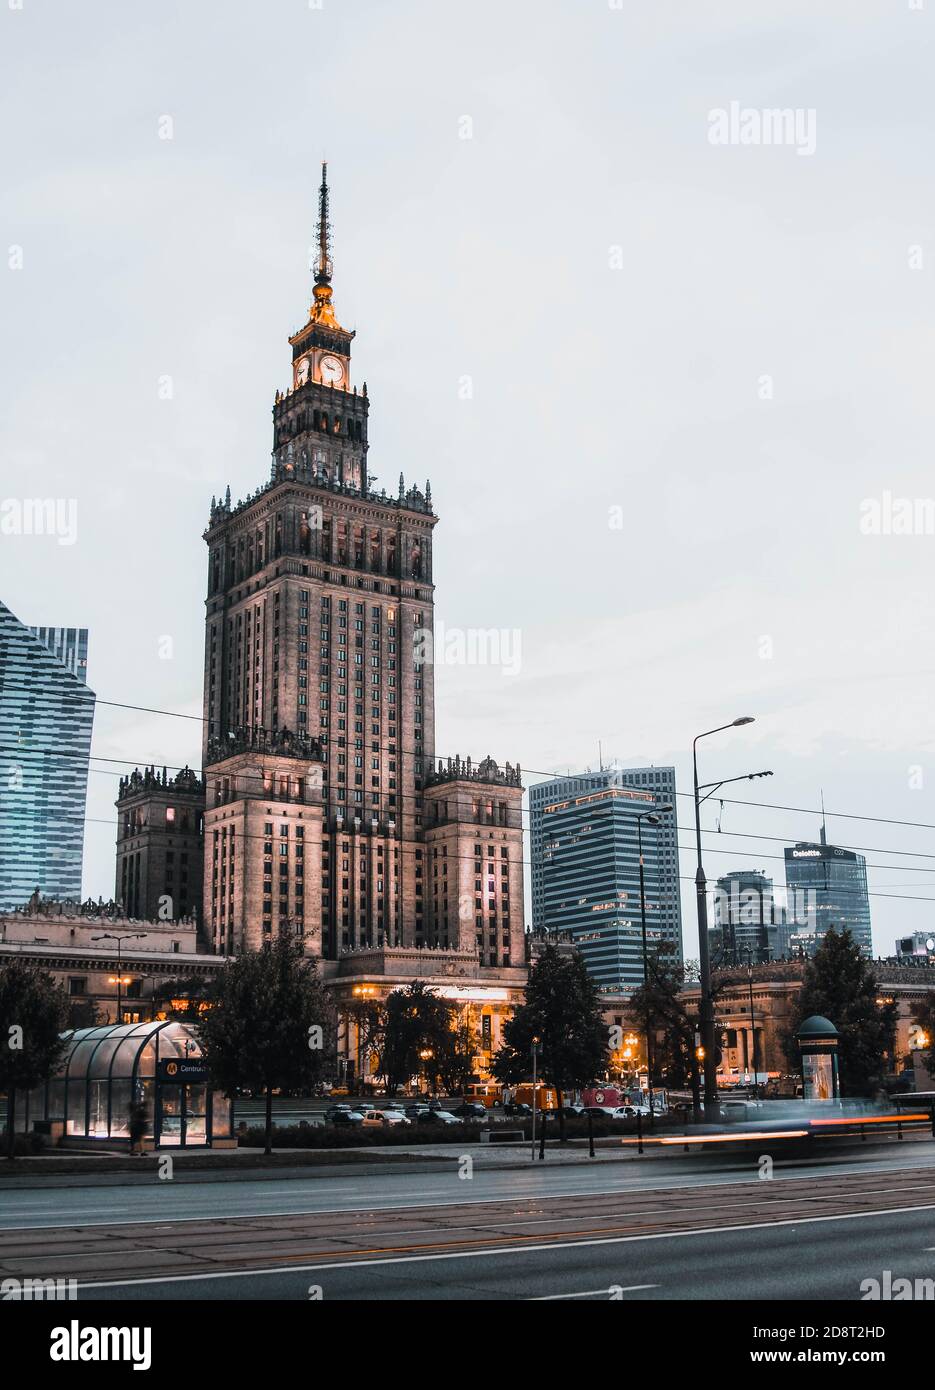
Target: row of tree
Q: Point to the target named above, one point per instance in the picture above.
(267, 1023)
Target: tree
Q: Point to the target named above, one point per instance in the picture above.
(839, 983)
(456, 1053)
(271, 1023)
(563, 1010)
(660, 1006)
(415, 1036)
(33, 1017)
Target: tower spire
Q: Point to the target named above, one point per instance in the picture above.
(824, 832)
(322, 310)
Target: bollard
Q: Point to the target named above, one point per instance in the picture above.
(542, 1119)
(591, 1133)
(639, 1132)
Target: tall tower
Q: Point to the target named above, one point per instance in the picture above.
(319, 714)
(159, 845)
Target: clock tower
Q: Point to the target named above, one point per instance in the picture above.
(321, 381)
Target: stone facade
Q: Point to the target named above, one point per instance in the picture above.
(160, 848)
(325, 814)
(84, 946)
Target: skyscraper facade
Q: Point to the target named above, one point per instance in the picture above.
(749, 925)
(326, 814)
(585, 868)
(826, 887)
(46, 715)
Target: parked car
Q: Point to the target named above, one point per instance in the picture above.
(517, 1108)
(437, 1117)
(470, 1110)
(347, 1117)
(413, 1112)
(382, 1119)
(600, 1112)
(336, 1110)
(573, 1107)
(434, 1104)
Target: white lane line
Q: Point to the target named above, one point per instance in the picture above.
(591, 1293)
(503, 1250)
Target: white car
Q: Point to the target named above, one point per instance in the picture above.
(379, 1119)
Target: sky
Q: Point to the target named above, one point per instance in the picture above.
(663, 379)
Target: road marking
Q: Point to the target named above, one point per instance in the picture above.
(503, 1250)
(592, 1293)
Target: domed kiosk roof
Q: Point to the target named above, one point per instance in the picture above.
(816, 1027)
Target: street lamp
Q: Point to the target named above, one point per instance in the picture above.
(655, 818)
(756, 1067)
(705, 1007)
(535, 1046)
(120, 938)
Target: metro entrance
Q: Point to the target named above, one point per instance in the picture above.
(182, 1119)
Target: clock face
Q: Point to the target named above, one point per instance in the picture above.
(331, 369)
(301, 371)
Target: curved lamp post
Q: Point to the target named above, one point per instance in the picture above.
(706, 1009)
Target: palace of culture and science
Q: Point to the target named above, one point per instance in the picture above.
(326, 812)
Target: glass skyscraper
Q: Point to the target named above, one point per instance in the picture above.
(46, 714)
(585, 868)
(826, 887)
(749, 925)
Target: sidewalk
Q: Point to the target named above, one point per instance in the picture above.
(253, 1163)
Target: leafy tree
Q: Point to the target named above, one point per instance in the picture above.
(415, 1036)
(563, 1010)
(660, 1006)
(456, 1053)
(33, 1017)
(839, 983)
(271, 1023)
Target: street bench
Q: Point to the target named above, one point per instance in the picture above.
(502, 1136)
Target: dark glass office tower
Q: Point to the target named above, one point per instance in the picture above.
(826, 887)
(46, 714)
(749, 926)
(586, 869)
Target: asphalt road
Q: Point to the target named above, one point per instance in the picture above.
(816, 1231)
(821, 1260)
(208, 1196)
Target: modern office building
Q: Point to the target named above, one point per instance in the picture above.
(46, 714)
(69, 644)
(585, 868)
(749, 925)
(826, 886)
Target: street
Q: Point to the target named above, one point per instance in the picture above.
(689, 1228)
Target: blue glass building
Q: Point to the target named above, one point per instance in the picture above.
(585, 868)
(826, 886)
(46, 714)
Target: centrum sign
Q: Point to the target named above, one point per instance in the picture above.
(178, 1070)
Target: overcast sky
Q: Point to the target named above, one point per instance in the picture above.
(690, 364)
